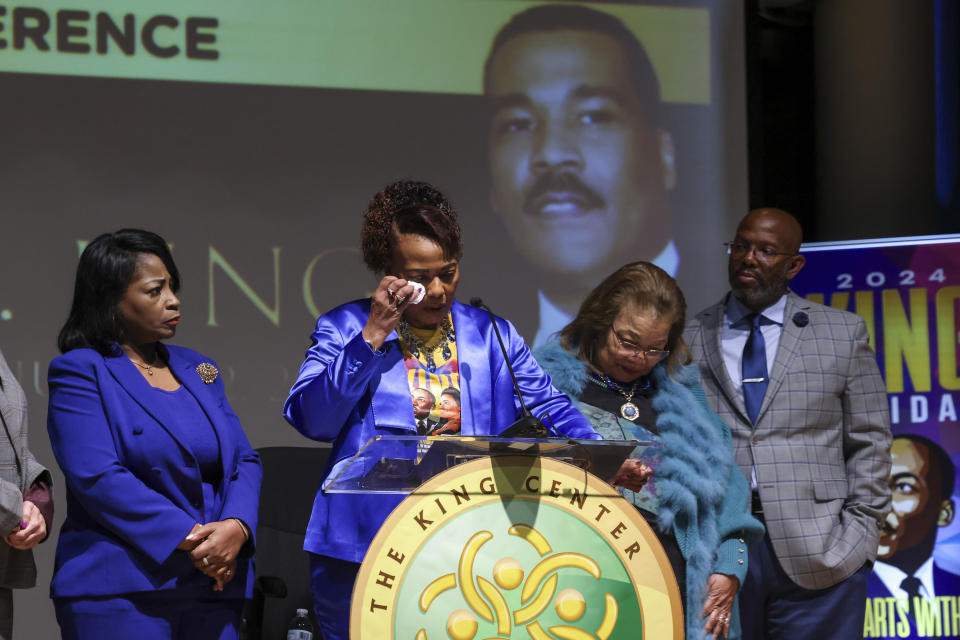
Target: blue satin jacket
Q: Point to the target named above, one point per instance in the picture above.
(133, 489)
(346, 394)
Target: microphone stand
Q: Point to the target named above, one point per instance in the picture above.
(528, 426)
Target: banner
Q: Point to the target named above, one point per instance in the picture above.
(907, 291)
(251, 135)
(361, 44)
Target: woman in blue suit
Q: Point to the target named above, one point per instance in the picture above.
(162, 485)
(371, 360)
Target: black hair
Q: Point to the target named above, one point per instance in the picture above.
(941, 458)
(453, 392)
(556, 17)
(106, 268)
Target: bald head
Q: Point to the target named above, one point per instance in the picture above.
(763, 257)
(778, 222)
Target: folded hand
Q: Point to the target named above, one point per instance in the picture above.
(721, 591)
(632, 475)
(31, 530)
(221, 541)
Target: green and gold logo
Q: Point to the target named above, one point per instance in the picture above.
(516, 547)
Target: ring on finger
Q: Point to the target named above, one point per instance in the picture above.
(390, 293)
(400, 300)
(228, 573)
(204, 561)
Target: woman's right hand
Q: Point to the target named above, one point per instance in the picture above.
(632, 475)
(386, 308)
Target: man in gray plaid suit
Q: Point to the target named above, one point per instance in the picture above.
(800, 389)
(26, 500)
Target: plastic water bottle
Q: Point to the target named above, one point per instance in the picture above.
(300, 627)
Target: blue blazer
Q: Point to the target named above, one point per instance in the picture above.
(346, 394)
(133, 489)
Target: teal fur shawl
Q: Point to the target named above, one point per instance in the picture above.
(703, 495)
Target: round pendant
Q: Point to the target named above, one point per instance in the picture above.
(629, 411)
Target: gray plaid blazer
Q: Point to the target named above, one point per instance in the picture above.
(821, 444)
(18, 470)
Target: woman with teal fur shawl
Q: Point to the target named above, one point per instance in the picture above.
(697, 495)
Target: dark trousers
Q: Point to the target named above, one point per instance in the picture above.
(156, 615)
(773, 607)
(6, 613)
(331, 585)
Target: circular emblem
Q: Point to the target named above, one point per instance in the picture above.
(515, 547)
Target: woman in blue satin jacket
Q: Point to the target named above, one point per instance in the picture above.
(162, 485)
(380, 365)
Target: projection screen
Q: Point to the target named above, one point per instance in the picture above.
(251, 135)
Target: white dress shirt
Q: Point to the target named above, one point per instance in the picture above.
(734, 338)
(892, 576)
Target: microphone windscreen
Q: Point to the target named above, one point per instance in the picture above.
(476, 302)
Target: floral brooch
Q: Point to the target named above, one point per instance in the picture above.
(208, 373)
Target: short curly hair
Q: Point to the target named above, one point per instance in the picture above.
(408, 206)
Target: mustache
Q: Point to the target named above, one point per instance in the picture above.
(563, 182)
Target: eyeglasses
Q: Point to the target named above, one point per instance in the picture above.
(739, 249)
(656, 355)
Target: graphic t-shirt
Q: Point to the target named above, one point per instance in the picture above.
(433, 375)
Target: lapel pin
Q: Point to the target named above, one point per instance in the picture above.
(208, 372)
(801, 319)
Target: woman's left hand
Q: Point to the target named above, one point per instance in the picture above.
(632, 475)
(223, 575)
(721, 591)
(222, 541)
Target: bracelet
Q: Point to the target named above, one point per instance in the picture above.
(243, 527)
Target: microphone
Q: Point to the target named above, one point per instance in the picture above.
(528, 426)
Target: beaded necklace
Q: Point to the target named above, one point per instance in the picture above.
(416, 345)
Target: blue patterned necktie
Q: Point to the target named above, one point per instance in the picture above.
(754, 367)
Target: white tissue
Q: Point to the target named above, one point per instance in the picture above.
(418, 292)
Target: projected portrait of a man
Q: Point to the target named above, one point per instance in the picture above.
(922, 480)
(580, 165)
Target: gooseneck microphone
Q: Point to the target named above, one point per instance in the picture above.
(528, 426)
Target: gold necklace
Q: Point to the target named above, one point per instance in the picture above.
(628, 409)
(146, 367)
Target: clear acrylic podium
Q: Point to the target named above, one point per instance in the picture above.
(401, 464)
